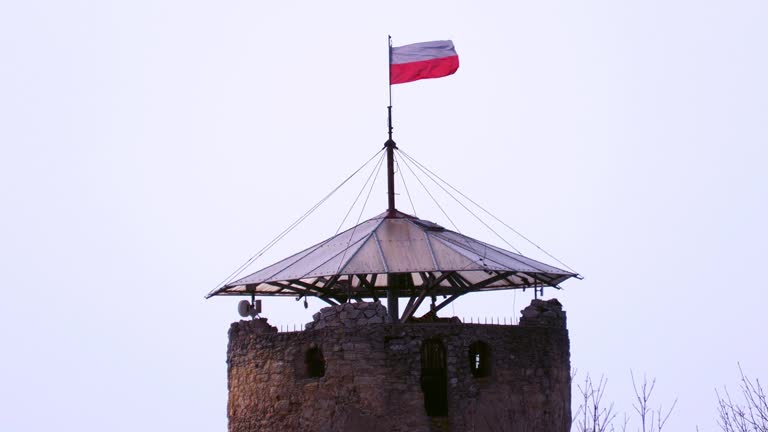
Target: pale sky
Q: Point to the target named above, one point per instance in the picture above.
(150, 147)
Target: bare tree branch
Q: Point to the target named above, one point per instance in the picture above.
(751, 415)
(596, 415)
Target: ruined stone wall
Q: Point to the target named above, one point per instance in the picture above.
(372, 377)
(349, 315)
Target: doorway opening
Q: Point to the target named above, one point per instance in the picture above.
(434, 380)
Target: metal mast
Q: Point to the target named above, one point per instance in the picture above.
(392, 279)
(390, 144)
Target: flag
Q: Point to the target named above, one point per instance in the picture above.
(422, 60)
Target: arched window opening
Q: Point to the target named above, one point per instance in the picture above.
(479, 359)
(315, 363)
(434, 381)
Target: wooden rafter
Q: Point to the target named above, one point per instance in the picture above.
(305, 292)
(443, 304)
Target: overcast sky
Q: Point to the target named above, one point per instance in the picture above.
(150, 147)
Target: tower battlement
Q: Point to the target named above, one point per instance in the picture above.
(354, 373)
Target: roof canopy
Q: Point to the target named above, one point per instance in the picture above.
(400, 253)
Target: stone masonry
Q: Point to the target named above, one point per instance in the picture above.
(371, 376)
(349, 315)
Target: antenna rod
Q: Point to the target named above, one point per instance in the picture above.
(390, 144)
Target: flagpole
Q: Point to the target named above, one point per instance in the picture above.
(390, 144)
(389, 108)
(392, 281)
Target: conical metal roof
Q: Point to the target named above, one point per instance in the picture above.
(399, 253)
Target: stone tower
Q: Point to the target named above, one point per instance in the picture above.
(365, 366)
(352, 370)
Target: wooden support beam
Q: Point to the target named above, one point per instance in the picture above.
(410, 302)
(460, 283)
(330, 282)
(313, 289)
(435, 282)
(304, 292)
(364, 282)
(443, 304)
(414, 305)
(415, 302)
(490, 280)
(538, 279)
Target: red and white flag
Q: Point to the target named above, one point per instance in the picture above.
(422, 60)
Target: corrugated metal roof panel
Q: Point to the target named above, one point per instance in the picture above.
(390, 244)
(367, 259)
(405, 247)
